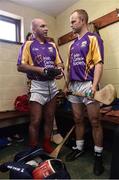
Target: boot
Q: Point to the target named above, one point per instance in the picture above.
(98, 164)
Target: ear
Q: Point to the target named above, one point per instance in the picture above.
(34, 33)
(82, 19)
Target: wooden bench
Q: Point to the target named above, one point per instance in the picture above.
(16, 116)
(12, 117)
(110, 119)
(110, 122)
(65, 118)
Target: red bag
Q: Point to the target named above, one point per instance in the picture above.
(22, 103)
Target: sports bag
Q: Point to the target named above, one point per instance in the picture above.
(34, 163)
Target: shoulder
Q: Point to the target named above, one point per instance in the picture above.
(52, 44)
(73, 43)
(94, 36)
(27, 44)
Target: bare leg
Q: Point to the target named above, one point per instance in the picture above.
(49, 113)
(78, 112)
(56, 136)
(35, 119)
(94, 117)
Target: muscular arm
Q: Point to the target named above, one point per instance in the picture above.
(67, 81)
(97, 76)
(28, 68)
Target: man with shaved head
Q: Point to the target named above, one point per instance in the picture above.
(41, 61)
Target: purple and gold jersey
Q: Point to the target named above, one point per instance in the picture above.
(38, 54)
(84, 54)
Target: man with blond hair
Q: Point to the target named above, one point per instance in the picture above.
(84, 71)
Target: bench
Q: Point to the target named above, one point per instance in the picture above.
(65, 120)
(110, 119)
(8, 118)
(15, 117)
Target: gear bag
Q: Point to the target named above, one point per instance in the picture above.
(34, 163)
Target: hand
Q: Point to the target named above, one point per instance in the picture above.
(60, 75)
(65, 91)
(51, 73)
(93, 89)
(41, 70)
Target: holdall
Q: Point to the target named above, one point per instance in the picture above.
(49, 169)
(30, 153)
(17, 170)
(34, 163)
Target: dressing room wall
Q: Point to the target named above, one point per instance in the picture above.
(109, 34)
(13, 83)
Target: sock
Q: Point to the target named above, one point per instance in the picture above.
(54, 125)
(79, 144)
(98, 149)
(47, 146)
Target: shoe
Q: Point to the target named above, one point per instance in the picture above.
(10, 141)
(98, 164)
(18, 138)
(74, 154)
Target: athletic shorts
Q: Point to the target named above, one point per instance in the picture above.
(43, 91)
(82, 87)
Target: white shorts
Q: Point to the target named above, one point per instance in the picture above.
(81, 87)
(43, 91)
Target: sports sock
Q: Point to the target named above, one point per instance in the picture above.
(98, 149)
(79, 144)
(47, 146)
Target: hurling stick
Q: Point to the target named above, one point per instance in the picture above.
(58, 148)
(106, 95)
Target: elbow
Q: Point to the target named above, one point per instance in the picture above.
(19, 69)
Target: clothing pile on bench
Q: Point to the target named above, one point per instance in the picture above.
(112, 109)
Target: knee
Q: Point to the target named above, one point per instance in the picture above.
(95, 122)
(78, 121)
(49, 120)
(34, 122)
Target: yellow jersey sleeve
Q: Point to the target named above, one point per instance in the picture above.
(95, 50)
(26, 56)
